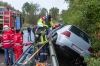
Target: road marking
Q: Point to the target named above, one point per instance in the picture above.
(2, 63)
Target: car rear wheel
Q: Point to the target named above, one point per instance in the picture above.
(78, 62)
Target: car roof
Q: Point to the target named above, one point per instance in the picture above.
(79, 29)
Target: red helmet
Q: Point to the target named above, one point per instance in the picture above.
(44, 18)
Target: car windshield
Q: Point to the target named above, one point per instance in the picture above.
(80, 33)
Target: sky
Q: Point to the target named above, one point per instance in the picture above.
(48, 4)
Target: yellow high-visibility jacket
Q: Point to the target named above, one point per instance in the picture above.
(44, 23)
(42, 36)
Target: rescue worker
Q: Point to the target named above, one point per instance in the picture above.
(12, 33)
(41, 35)
(50, 20)
(41, 39)
(12, 30)
(18, 41)
(51, 25)
(47, 21)
(6, 45)
(18, 44)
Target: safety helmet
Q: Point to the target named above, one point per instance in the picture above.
(43, 18)
(5, 27)
(40, 24)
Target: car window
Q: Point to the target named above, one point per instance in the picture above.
(80, 33)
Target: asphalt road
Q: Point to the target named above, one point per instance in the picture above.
(25, 39)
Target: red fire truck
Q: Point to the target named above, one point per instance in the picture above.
(9, 17)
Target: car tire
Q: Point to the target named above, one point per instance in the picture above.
(79, 63)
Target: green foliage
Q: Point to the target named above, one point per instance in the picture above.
(43, 12)
(54, 12)
(30, 12)
(91, 61)
(7, 4)
(3, 3)
(26, 7)
(86, 15)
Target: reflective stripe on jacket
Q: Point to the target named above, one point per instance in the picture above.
(18, 40)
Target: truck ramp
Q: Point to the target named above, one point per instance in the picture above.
(28, 57)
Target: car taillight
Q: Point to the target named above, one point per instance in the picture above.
(66, 33)
(90, 49)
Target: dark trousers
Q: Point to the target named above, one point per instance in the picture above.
(43, 53)
(29, 36)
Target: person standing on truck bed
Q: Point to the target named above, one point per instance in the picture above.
(7, 45)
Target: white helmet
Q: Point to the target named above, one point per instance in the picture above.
(40, 24)
(5, 27)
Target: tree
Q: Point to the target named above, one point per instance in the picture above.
(86, 15)
(3, 3)
(43, 12)
(26, 7)
(33, 11)
(30, 10)
(54, 12)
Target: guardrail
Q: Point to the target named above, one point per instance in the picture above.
(54, 61)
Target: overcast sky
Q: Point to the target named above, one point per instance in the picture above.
(17, 4)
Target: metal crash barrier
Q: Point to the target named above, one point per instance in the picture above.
(28, 57)
(53, 57)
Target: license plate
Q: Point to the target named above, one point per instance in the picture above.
(77, 48)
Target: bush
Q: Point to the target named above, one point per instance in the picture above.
(92, 61)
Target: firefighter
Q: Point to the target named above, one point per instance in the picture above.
(43, 26)
(50, 20)
(6, 45)
(18, 44)
(41, 39)
(47, 21)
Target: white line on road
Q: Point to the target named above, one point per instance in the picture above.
(2, 63)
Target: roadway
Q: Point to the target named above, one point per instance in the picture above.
(25, 39)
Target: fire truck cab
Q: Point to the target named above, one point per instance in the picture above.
(9, 17)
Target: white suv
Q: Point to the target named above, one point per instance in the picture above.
(70, 42)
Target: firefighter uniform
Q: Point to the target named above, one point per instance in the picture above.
(41, 35)
(41, 38)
